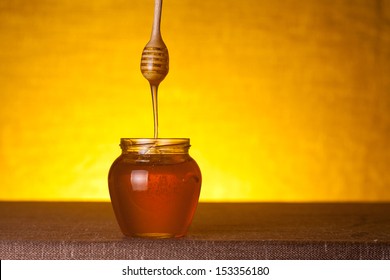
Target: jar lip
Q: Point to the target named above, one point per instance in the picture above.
(155, 145)
(156, 141)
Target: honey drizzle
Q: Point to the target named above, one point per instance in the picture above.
(154, 89)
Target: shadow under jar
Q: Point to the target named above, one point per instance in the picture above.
(154, 187)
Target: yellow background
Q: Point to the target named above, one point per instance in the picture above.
(282, 100)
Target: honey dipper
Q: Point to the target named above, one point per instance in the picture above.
(155, 58)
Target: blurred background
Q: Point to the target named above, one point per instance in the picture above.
(283, 100)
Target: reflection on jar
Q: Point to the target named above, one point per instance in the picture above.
(139, 180)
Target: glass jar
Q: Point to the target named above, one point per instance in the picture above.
(154, 187)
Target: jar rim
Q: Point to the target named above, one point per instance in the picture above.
(155, 145)
(157, 141)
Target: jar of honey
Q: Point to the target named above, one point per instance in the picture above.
(154, 187)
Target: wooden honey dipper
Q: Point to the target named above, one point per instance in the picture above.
(155, 60)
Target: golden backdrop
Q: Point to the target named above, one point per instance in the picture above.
(282, 100)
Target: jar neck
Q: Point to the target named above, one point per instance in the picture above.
(155, 145)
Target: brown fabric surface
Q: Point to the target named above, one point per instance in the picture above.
(70, 230)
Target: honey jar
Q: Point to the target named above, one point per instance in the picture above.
(154, 187)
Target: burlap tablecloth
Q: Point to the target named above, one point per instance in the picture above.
(87, 230)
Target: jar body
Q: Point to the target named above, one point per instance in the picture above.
(154, 194)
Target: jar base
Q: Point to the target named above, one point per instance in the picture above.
(155, 235)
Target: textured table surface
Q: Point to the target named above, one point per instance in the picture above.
(87, 230)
